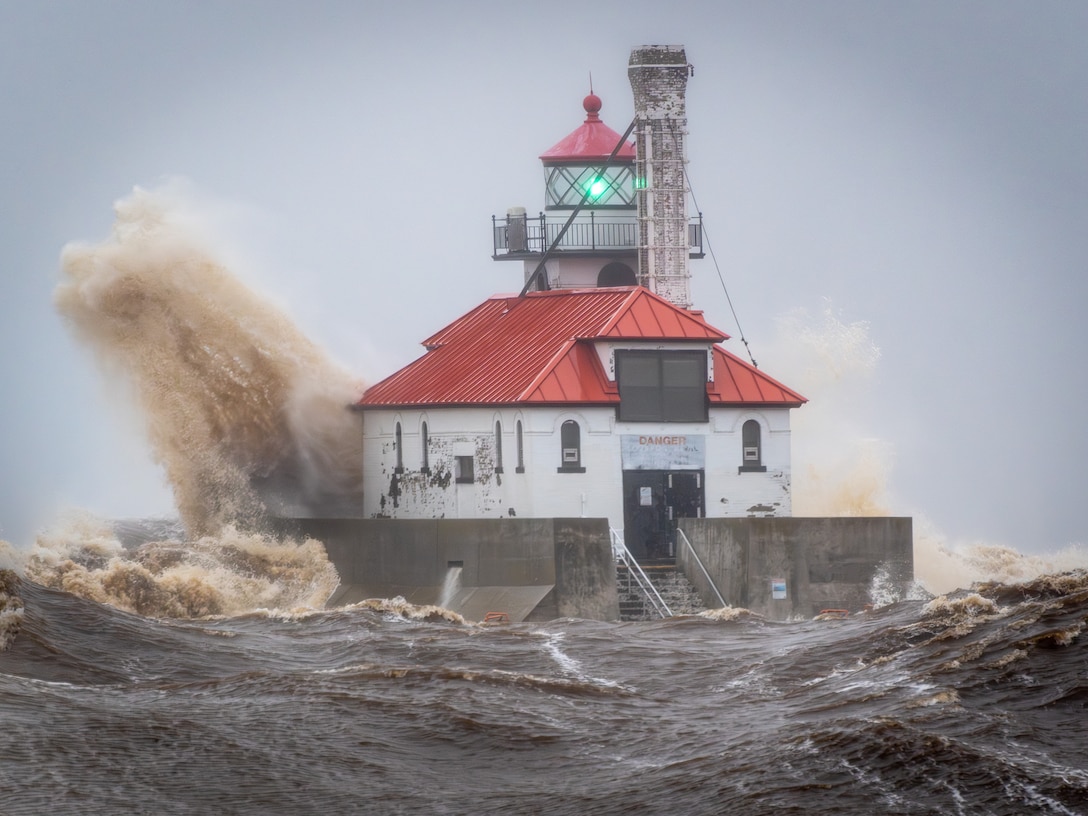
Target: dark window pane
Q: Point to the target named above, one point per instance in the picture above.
(750, 433)
(682, 371)
(662, 386)
(685, 404)
(641, 370)
(570, 438)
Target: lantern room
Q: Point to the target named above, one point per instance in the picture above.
(593, 167)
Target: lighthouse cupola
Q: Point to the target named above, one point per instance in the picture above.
(586, 235)
(595, 229)
(577, 170)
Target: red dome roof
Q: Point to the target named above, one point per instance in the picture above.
(593, 141)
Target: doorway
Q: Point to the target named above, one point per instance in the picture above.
(653, 502)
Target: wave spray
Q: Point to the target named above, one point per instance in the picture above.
(840, 469)
(245, 414)
(248, 418)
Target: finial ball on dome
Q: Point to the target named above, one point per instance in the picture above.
(592, 103)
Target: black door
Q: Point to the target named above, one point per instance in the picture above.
(684, 499)
(653, 500)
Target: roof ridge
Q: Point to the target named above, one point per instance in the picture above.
(622, 310)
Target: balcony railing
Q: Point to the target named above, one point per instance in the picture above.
(518, 236)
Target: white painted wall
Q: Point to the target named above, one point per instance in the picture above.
(566, 272)
(541, 490)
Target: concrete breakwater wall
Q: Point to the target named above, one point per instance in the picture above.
(546, 568)
(785, 568)
(530, 569)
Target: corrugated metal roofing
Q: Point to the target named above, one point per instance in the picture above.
(593, 141)
(539, 349)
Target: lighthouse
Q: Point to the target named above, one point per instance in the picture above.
(596, 394)
(596, 391)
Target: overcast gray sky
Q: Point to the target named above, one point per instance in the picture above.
(922, 167)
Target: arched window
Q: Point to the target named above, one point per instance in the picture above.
(424, 441)
(521, 448)
(570, 441)
(752, 448)
(616, 274)
(398, 444)
(498, 447)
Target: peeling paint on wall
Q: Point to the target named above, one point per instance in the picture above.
(537, 488)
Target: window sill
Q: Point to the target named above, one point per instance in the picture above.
(752, 469)
(570, 469)
(519, 470)
(464, 480)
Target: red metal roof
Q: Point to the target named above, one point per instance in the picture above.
(735, 381)
(538, 349)
(593, 141)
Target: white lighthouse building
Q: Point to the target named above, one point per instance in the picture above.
(597, 390)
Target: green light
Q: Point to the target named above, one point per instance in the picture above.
(597, 186)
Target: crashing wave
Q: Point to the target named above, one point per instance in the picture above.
(230, 573)
(402, 608)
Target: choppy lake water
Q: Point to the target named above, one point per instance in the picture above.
(972, 703)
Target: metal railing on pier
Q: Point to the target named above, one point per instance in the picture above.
(699, 561)
(634, 571)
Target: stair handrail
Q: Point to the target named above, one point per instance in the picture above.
(622, 554)
(699, 561)
(618, 546)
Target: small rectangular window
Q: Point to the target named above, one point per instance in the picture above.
(465, 472)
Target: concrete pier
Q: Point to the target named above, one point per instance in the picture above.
(548, 568)
(530, 569)
(787, 568)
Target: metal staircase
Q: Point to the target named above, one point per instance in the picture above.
(672, 594)
(653, 589)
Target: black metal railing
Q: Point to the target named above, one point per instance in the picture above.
(519, 235)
